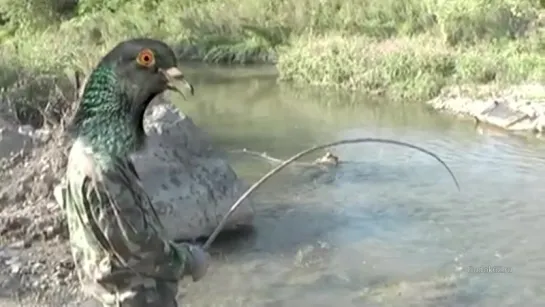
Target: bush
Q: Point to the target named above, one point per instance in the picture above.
(470, 21)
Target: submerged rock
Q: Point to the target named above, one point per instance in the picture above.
(191, 184)
(435, 291)
(517, 108)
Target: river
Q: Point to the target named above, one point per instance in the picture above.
(387, 227)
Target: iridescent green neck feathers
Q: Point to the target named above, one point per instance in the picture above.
(106, 120)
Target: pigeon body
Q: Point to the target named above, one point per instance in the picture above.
(118, 244)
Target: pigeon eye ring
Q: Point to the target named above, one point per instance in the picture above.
(146, 58)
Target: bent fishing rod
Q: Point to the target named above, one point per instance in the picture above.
(306, 152)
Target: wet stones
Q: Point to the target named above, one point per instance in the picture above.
(517, 108)
(312, 255)
(436, 291)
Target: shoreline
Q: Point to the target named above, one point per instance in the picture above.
(517, 109)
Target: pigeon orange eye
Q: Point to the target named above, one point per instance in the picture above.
(146, 58)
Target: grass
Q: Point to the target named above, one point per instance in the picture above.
(408, 49)
(415, 68)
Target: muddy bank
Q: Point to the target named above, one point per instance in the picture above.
(519, 109)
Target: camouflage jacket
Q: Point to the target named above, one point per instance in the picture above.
(115, 234)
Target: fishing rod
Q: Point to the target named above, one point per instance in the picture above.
(305, 152)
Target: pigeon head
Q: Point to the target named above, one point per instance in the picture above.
(111, 111)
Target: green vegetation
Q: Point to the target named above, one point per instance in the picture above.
(409, 49)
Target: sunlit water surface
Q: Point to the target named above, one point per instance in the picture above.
(386, 228)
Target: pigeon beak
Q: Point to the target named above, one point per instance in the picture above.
(177, 81)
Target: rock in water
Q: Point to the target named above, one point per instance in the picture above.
(190, 183)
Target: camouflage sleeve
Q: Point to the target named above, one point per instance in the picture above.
(126, 229)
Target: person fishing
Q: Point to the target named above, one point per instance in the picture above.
(120, 250)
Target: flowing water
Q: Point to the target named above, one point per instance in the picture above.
(388, 226)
